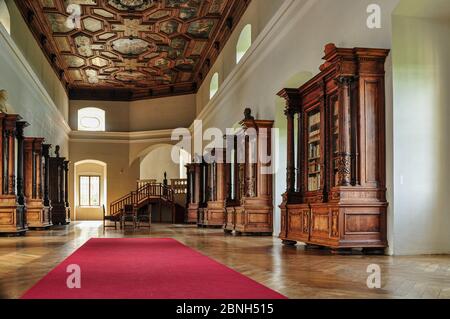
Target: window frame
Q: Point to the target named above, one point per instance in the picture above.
(90, 200)
(215, 79)
(99, 114)
(5, 16)
(247, 31)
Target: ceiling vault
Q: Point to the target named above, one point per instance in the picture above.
(131, 49)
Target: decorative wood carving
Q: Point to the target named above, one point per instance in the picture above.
(341, 192)
(124, 51)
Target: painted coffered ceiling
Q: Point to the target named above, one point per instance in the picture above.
(131, 49)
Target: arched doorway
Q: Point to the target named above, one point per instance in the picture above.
(90, 189)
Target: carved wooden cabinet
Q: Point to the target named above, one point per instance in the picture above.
(38, 214)
(336, 193)
(253, 179)
(12, 200)
(58, 189)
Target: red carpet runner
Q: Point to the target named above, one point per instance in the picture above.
(146, 269)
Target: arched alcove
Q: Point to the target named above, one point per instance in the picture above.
(156, 160)
(90, 189)
(5, 18)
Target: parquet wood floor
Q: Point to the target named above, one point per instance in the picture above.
(294, 272)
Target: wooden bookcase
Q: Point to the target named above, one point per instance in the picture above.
(336, 190)
(38, 215)
(214, 214)
(12, 201)
(250, 209)
(58, 189)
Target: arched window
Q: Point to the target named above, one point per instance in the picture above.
(5, 19)
(91, 119)
(244, 42)
(214, 85)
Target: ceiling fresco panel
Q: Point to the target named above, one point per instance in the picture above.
(131, 44)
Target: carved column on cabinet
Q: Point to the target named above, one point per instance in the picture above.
(264, 162)
(46, 155)
(189, 185)
(39, 167)
(194, 192)
(250, 138)
(220, 180)
(213, 181)
(345, 115)
(20, 150)
(34, 168)
(292, 98)
(197, 183)
(66, 182)
(299, 186)
(10, 131)
(29, 167)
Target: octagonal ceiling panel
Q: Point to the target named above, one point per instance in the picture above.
(159, 45)
(92, 24)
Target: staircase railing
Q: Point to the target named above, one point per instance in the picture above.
(141, 195)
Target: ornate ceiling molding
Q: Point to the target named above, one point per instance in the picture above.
(131, 49)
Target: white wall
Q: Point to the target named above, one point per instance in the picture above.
(28, 96)
(137, 116)
(421, 49)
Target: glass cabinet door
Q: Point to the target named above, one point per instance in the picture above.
(314, 150)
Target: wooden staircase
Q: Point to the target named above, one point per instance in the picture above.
(147, 193)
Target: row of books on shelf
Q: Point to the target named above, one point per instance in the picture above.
(314, 151)
(314, 168)
(314, 183)
(314, 135)
(314, 125)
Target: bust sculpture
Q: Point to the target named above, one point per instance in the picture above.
(248, 114)
(3, 99)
